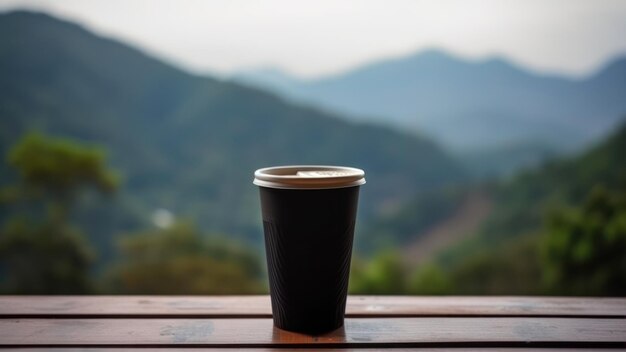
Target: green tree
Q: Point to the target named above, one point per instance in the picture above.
(509, 268)
(430, 279)
(584, 252)
(386, 273)
(40, 252)
(179, 260)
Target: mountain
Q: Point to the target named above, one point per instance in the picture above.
(472, 106)
(518, 206)
(555, 230)
(269, 78)
(522, 201)
(188, 143)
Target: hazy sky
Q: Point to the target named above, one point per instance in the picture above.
(312, 38)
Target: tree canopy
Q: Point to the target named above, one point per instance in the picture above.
(40, 251)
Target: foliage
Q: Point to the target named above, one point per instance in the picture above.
(585, 247)
(384, 274)
(523, 201)
(511, 268)
(523, 204)
(178, 260)
(58, 167)
(581, 250)
(430, 279)
(41, 252)
(49, 258)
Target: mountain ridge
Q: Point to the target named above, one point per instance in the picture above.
(439, 94)
(188, 143)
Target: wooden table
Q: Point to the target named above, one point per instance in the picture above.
(434, 323)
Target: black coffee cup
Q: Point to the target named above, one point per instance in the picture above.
(309, 214)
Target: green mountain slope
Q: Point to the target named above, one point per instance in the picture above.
(500, 115)
(187, 143)
(556, 230)
(520, 203)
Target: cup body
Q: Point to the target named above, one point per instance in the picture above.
(308, 242)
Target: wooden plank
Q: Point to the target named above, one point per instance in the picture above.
(209, 306)
(485, 306)
(259, 306)
(358, 332)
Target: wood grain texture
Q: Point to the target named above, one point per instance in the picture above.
(358, 332)
(259, 306)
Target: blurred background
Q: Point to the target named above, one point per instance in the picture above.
(492, 133)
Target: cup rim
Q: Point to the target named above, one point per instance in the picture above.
(286, 177)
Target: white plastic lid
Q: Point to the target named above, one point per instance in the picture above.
(309, 177)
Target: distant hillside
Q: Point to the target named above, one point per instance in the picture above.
(517, 206)
(522, 201)
(475, 108)
(187, 143)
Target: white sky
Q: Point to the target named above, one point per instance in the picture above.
(317, 37)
